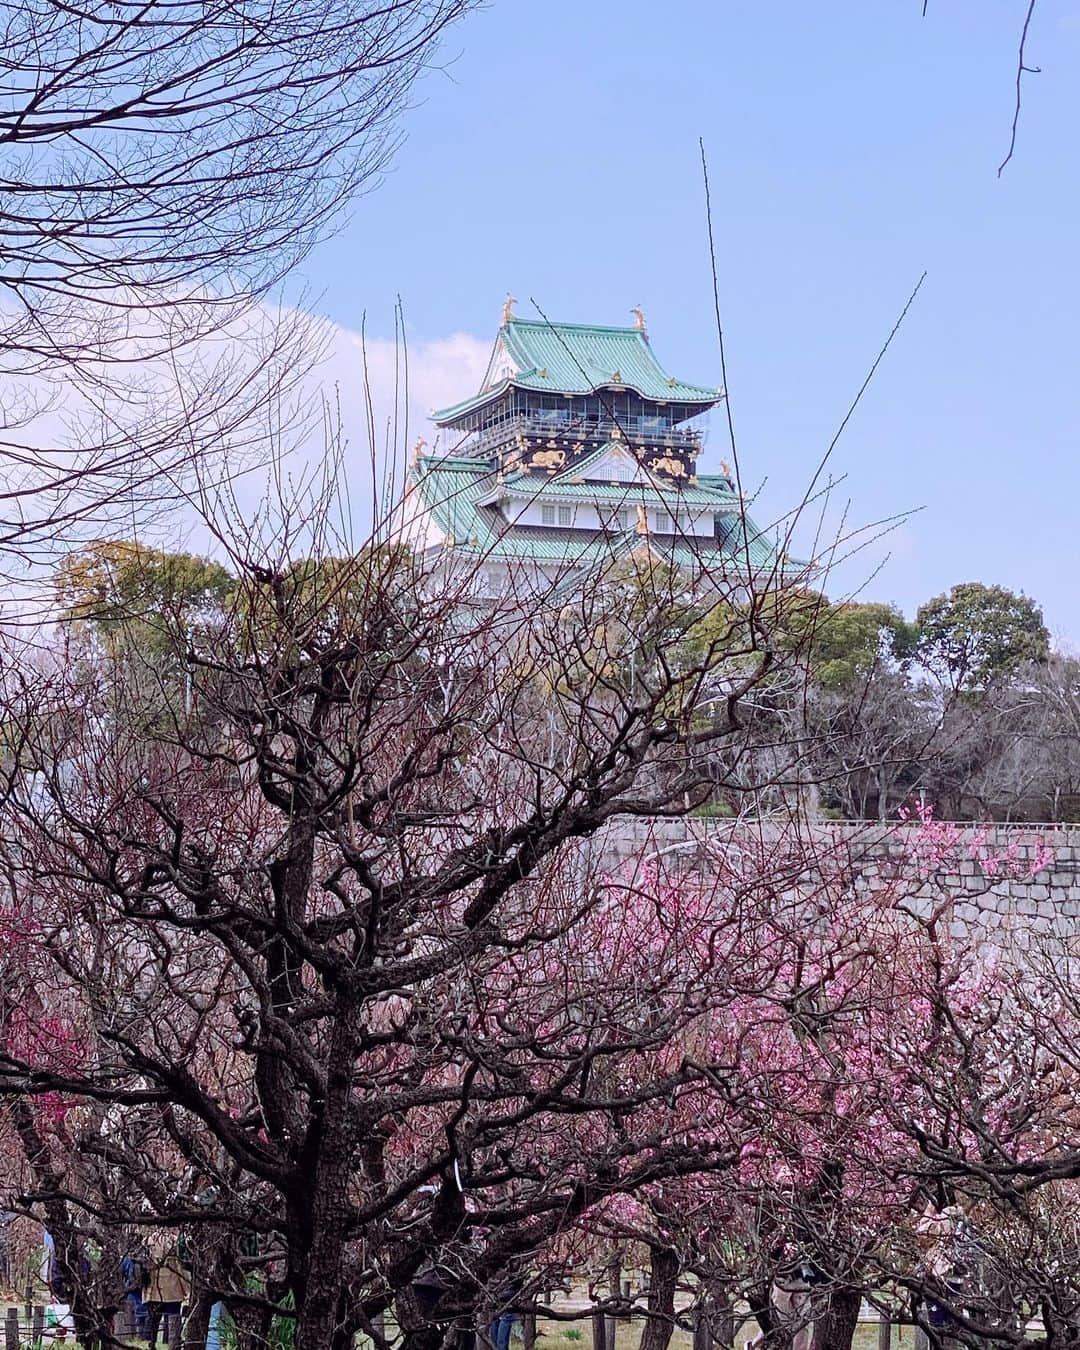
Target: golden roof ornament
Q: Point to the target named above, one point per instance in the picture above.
(418, 449)
(642, 525)
(639, 320)
(669, 465)
(725, 468)
(508, 307)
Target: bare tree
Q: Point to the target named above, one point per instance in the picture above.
(320, 937)
(158, 151)
(166, 164)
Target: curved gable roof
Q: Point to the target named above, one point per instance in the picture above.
(569, 358)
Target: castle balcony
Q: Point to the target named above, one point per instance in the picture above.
(584, 429)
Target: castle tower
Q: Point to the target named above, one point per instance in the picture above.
(577, 447)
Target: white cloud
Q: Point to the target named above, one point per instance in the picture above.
(142, 411)
(390, 405)
(440, 371)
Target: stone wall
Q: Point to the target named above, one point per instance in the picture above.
(1030, 872)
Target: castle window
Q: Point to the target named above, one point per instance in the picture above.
(566, 515)
(547, 515)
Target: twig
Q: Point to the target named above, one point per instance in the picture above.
(723, 357)
(862, 390)
(1021, 70)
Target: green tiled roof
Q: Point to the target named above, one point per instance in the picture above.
(452, 487)
(578, 358)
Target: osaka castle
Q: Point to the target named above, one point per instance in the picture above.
(578, 449)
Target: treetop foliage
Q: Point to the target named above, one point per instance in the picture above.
(976, 634)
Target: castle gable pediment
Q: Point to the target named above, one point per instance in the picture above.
(610, 464)
(502, 365)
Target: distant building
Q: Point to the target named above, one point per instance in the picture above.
(579, 448)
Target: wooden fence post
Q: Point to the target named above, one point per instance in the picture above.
(884, 1332)
(611, 1326)
(598, 1331)
(37, 1324)
(528, 1330)
(11, 1329)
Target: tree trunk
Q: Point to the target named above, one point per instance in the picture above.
(418, 1330)
(663, 1274)
(319, 1321)
(87, 1318)
(252, 1326)
(197, 1322)
(773, 1328)
(840, 1321)
(614, 1292)
(715, 1324)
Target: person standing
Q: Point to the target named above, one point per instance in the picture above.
(166, 1293)
(133, 1280)
(501, 1328)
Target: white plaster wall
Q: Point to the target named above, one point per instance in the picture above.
(590, 516)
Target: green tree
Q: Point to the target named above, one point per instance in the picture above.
(841, 641)
(849, 640)
(856, 718)
(977, 634)
(126, 592)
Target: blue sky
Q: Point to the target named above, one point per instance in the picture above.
(852, 144)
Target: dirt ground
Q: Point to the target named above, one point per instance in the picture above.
(560, 1336)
